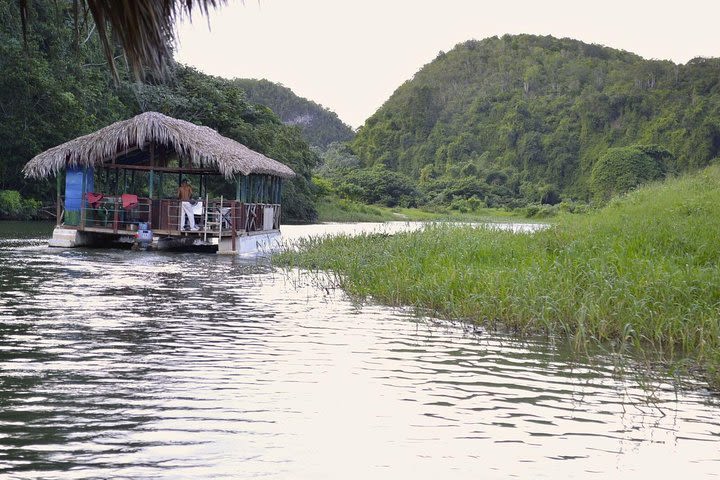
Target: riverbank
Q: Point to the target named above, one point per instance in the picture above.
(333, 209)
(642, 273)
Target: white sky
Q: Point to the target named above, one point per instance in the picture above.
(350, 55)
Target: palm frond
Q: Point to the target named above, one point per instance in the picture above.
(145, 28)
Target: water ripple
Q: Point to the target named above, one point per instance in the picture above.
(127, 365)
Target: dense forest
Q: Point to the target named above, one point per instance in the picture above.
(318, 125)
(507, 121)
(56, 85)
(525, 119)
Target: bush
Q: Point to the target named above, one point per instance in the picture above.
(14, 207)
(568, 206)
(322, 187)
(619, 170)
(378, 185)
(541, 211)
(464, 205)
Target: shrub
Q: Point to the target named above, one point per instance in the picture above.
(14, 207)
(619, 170)
(378, 185)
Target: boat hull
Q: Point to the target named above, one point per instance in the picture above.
(245, 243)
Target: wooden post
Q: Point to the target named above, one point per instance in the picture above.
(220, 222)
(82, 199)
(205, 223)
(232, 224)
(151, 187)
(151, 183)
(58, 211)
(238, 189)
(115, 214)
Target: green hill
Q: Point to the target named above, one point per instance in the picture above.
(525, 118)
(319, 126)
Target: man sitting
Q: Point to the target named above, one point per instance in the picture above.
(186, 208)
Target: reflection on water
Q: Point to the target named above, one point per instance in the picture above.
(145, 365)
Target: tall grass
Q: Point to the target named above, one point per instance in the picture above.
(644, 271)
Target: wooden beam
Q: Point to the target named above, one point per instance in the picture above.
(147, 168)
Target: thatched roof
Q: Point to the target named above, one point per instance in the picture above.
(191, 141)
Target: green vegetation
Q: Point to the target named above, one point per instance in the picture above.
(377, 185)
(348, 198)
(643, 272)
(59, 87)
(219, 103)
(333, 209)
(319, 126)
(524, 119)
(13, 206)
(620, 169)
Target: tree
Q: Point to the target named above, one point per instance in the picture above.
(53, 90)
(621, 169)
(145, 28)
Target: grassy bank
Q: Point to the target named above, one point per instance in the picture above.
(333, 209)
(643, 272)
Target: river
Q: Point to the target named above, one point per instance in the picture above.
(119, 364)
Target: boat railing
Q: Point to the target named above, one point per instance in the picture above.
(213, 217)
(116, 212)
(233, 215)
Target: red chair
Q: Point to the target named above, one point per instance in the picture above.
(129, 200)
(94, 199)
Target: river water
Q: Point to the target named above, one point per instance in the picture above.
(119, 364)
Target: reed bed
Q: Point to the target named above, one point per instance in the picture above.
(643, 272)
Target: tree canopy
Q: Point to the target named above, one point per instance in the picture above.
(54, 89)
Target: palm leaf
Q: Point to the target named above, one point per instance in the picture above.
(144, 28)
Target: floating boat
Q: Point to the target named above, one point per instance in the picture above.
(121, 186)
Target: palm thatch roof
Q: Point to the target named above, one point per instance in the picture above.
(203, 146)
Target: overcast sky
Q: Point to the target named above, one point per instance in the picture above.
(350, 55)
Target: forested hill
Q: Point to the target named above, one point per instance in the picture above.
(319, 125)
(526, 116)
